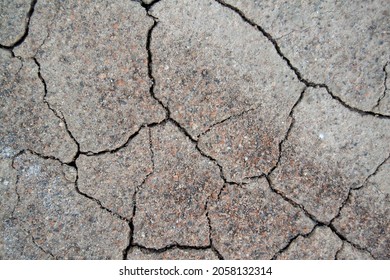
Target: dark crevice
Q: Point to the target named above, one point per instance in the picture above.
(134, 211)
(295, 69)
(58, 114)
(169, 247)
(167, 110)
(343, 238)
(212, 247)
(293, 203)
(336, 256)
(147, 6)
(385, 85)
(27, 29)
(285, 248)
(125, 144)
(96, 200)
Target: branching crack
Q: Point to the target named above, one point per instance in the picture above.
(343, 238)
(285, 248)
(358, 188)
(295, 69)
(58, 114)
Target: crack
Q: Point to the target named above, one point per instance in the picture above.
(385, 85)
(131, 243)
(358, 188)
(169, 247)
(285, 138)
(58, 114)
(234, 116)
(285, 248)
(26, 31)
(16, 182)
(212, 247)
(343, 238)
(40, 247)
(336, 256)
(293, 203)
(295, 69)
(167, 110)
(97, 201)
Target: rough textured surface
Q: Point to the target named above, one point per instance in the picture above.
(205, 72)
(209, 129)
(321, 244)
(365, 220)
(328, 153)
(41, 22)
(349, 252)
(172, 254)
(95, 65)
(58, 219)
(112, 178)
(247, 145)
(342, 44)
(252, 222)
(13, 20)
(26, 121)
(381, 179)
(171, 205)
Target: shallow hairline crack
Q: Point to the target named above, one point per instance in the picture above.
(362, 185)
(385, 86)
(295, 69)
(41, 248)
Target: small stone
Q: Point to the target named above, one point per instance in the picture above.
(322, 244)
(172, 254)
(171, 204)
(253, 222)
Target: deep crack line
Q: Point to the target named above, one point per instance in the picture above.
(57, 114)
(212, 247)
(134, 199)
(285, 248)
(26, 30)
(295, 69)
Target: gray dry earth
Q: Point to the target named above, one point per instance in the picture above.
(209, 129)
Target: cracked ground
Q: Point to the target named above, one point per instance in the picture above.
(207, 129)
